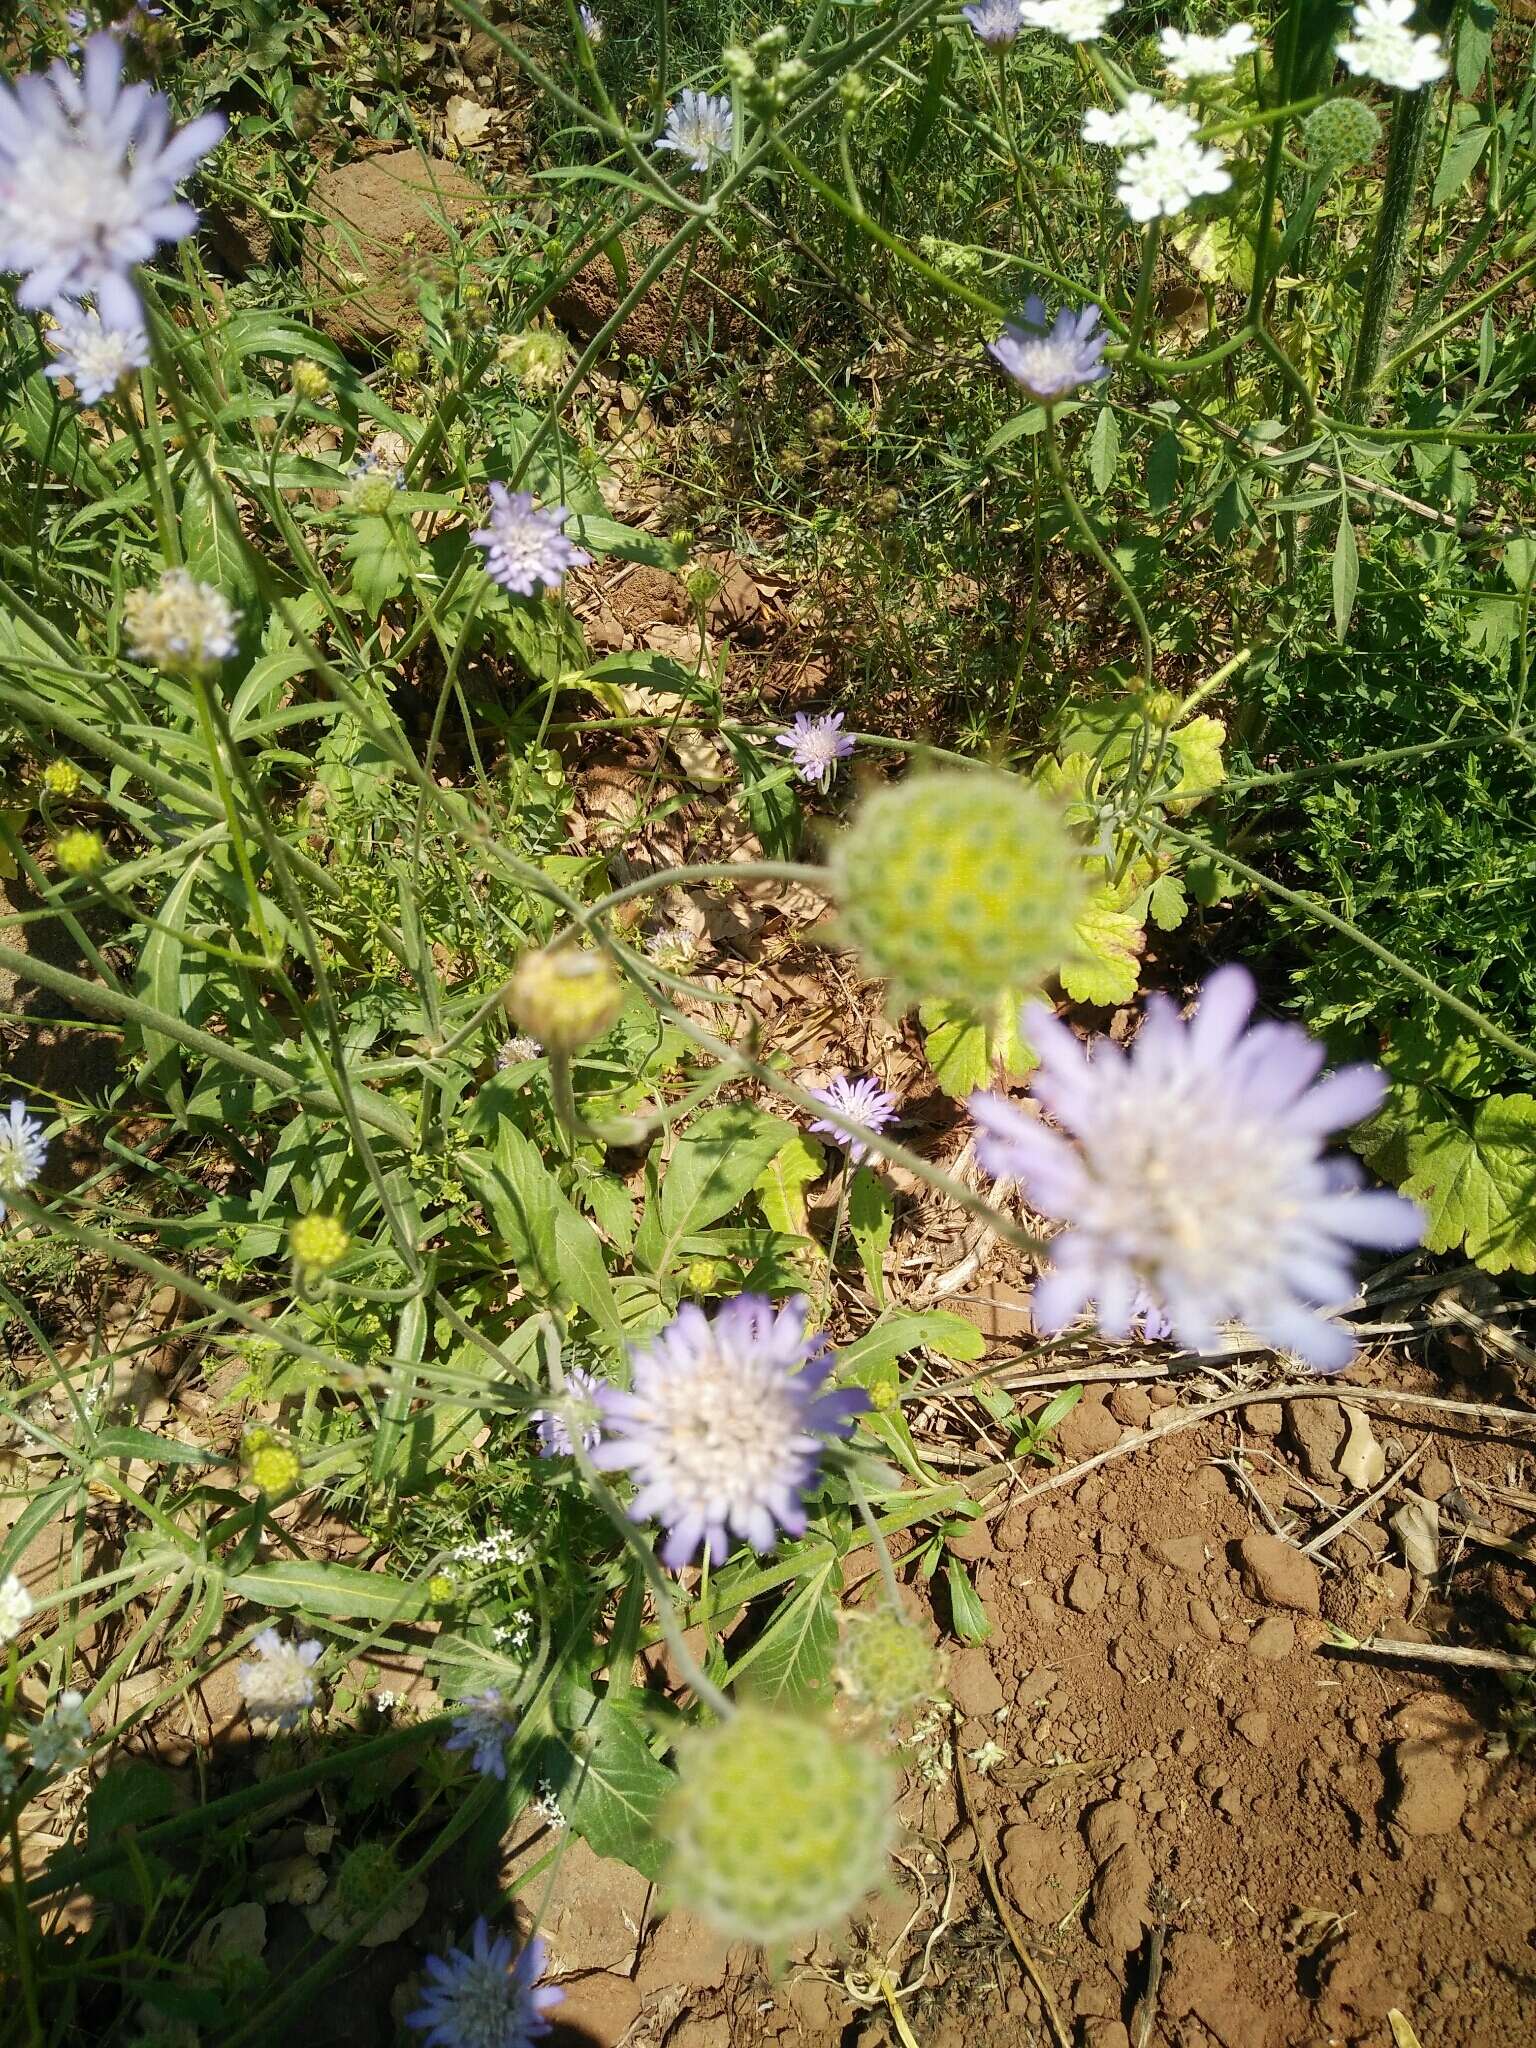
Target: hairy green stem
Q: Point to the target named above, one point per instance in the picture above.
(1405, 155)
(1096, 547)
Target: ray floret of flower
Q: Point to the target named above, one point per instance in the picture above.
(483, 1726)
(1140, 120)
(15, 1607)
(591, 26)
(699, 128)
(816, 745)
(88, 176)
(278, 1683)
(1191, 1176)
(526, 549)
(995, 22)
(97, 359)
(1075, 21)
(724, 1423)
(1160, 180)
(482, 1998)
(23, 1150)
(1191, 57)
(580, 1405)
(1385, 46)
(862, 1102)
(1049, 363)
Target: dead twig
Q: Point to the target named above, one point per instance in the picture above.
(1432, 1653)
(1320, 1543)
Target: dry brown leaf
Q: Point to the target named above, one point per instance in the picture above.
(1417, 1528)
(464, 124)
(1362, 1463)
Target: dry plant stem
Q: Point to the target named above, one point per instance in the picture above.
(1393, 1479)
(1433, 1653)
(1059, 2033)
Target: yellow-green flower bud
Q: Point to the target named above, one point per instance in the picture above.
(406, 361)
(887, 1663)
(442, 1591)
(274, 1468)
(373, 494)
(539, 359)
(883, 1397)
(309, 380)
(778, 1826)
(80, 853)
(563, 998)
(318, 1242)
(959, 885)
(61, 778)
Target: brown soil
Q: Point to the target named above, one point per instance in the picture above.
(387, 227)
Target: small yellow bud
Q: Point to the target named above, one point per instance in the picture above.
(883, 1397)
(374, 494)
(406, 361)
(318, 1242)
(704, 1275)
(441, 1590)
(309, 380)
(80, 853)
(61, 778)
(274, 1469)
(563, 998)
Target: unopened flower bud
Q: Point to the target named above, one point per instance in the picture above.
(80, 853)
(563, 998)
(318, 1242)
(309, 380)
(887, 1663)
(273, 1467)
(442, 1591)
(373, 495)
(61, 778)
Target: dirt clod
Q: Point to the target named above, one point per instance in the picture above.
(1085, 1588)
(1120, 1908)
(1278, 1574)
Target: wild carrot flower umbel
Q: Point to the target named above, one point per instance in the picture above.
(60, 1740)
(698, 128)
(481, 1998)
(1190, 58)
(484, 1725)
(1050, 363)
(88, 175)
(1385, 47)
(863, 1103)
(525, 548)
(15, 1607)
(1075, 21)
(723, 1425)
(23, 1150)
(97, 359)
(1142, 119)
(1191, 1175)
(1160, 180)
(278, 1683)
(816, 745)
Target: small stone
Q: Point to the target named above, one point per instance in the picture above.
(1435, 1479)
(1016, 1530)
(1273, 1639)
(1430, 1796)
(1315, 1428)
(1085, 1588)
(974, 1542)
(1087, 1430)
(1185, 1553)
(1202, 1619)
(1161, 1396)
(1277, 1573)
(1120, 1905)
(1253, 1727)
(973, 1684)
(1102, 2033)
(1131, 1405)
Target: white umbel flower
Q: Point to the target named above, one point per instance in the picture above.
(181, 624)
(1386, 48)
(1075, 21)
(1193, 57)
(1141, 120)
(15, 1607)
(96, 358)
(278, 1684)
(1159, 181)
(88, 176)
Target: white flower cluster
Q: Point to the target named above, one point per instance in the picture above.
(1386, 48)
(1168, 166)
(500, 1548)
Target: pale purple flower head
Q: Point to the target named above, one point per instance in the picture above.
(96, 358)
(1193, 1175)
(1050, 363)
(863, 1102)
(525, 548)
(698, 128)
(88, 176)
(581, 1391)
(591, 26)
(995, 22)
(722, 1425)
(484, 1725)
(817, 745)
(23, 1150)
(483, 1999)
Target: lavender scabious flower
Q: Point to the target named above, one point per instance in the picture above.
(817, 744)
(1051, 363)
(1193, 1175)
(592, 27)
(278, 1684)
(698, 128)
(720, 1427)
(94, 357)
(23, 1150)
(88, 175)
(863, 1102)
(524, 545)
(995, 22)
(555, 1440)
(483, 1999)
(484, 1725)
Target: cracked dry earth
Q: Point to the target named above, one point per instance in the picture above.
(1207, 1831)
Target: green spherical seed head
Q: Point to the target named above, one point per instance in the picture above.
(563, 998)
(778, 1826)
(887, 1664)
(366, 1879)
(961, 885)
(1341, 133)
(374, 495)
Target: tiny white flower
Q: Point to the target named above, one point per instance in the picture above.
(1191, 57)
(1384, 47)
(59, 1741)
(1075, 21)
(1162, 179)
(15, 1607)
(278, 1683)
(1141, 120)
